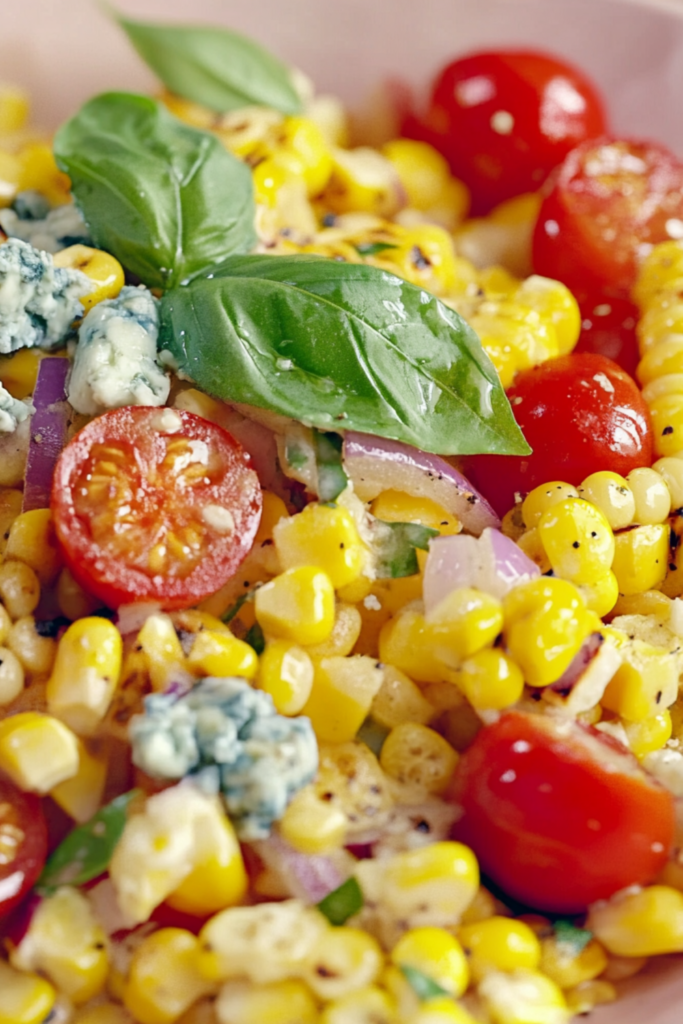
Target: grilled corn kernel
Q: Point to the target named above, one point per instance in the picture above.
(281, 1002)
(414, 754)
(301, 148)
(463, 623)
(222, 654)
(399, 700)
(163, 979)
(589, 994)
(345, 633)
(324, 537)
(270, 178)
(24, 998)
(162, 649)
(104, 271)
(19, 372)
(641, 558)
(671, 472)
(567, 966)
(646, 922)
(649, 733)
(506, 323)
(297, 605)
(532, 546)
(405, 642)
(578, 540)
(644, 684)
(661, 359)
(523, 997)
(601, 594)
(423, 171)
(346, 959)
(651, 496)
(667, 424)
(556, 305)
(35, 652)
(11, 676)
(370, 1005)
(611, 493)
(10, 508)
(659, 269)
(81, 795)
(19, 589)
(490, 680)
(351, 780)
(85, 674)
(669, 384)
(435, 953)
(218, 879)
(342, 693)
(37, 751)
(39, 172)
(285, 671)
(398, 507)
(499, 944)
(364, 181)
(546, 621)
(312, 825)
(543, 497)
(651, 602)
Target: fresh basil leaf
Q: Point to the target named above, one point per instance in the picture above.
(341, 904)
(395, 545)
(213, 66)
(332, 479)
(373, 735)
(568, 934)
(422, 985)
(167, 200)
(236, 608)
(87, 850)
(255, 638)
(343, 345)
(373, 248)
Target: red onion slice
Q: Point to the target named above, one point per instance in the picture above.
(49, 426)
(309, 877)
(375, 464)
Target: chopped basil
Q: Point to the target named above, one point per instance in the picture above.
(567, 934)
(235, 608)
(422, 985)
(395, 544)
(255, 638)
(373, 735)
(341, 904)
(332, 479)
(373, 248)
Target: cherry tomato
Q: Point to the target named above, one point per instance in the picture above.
(504, 119)
(23, 844)
(580, 414)
(154, 505)
(611, 201)
(608, 327)
(558, 814)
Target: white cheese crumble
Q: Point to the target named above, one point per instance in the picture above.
(56, 230)
(12, 412)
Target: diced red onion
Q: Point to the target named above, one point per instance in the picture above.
(578, 665)
(49, 426)
(492, 563)
(130, 618)
(375, 464)
(309, 877)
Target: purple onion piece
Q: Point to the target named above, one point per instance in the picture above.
(578, 665)
(49, 427)
(310, 877)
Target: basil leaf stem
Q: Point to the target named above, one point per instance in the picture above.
(342, 903)
(332, 479)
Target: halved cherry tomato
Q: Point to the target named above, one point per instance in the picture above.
(580, 413)
(505, 118)
(559, 814)
(23, 844)
(154, 505)
(612, 200)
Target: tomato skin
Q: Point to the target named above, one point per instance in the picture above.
(575, 424)
(23, 844)
(610, 198)
(608, 327)
(167, 473)
(558, 814)
(505, 118)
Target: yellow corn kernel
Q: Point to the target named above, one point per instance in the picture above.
(642, 923)
(281, 1002)
(10, 508)
(346, 959)
(24, 998)
(402, 993)
(522, 997)
(556, 305)
(324, 537)
(506, 323)
(11, 675)
(650, 602)
(363, 181)
(103, 1013)
(619, 968)
(660, 267)
(272, 511)
(297, 605)
(218, 878)
(669, 384)
(641, 558)
(35, 652)
(423, 255)
(270, 179)
(667, 424)
(73, 601)
(345, 633)
(285, 671)
(490, 680)
(499, 944)
(240, 130)
(422, 170)
(532, 546)
(65, 942)
(543, 497)
(19, 589)
(14, 108)
(81, 795)
(601, 594)
(546, 621)
(416, 755)
(561, 962)
(162, 649)
(464, 622)
(398, 507)
(32, 540)
(221, 654)
(370, 1005)
(610, 493)
(651, 496)
(503, 237)
(19, 372)
(341, 696)
(578, 540)
(104, 271)
(663, 358)
(671, 472)
(399, 700)
(482, 907)
(649, 733)
(37, 751)
(350, 779)
(312, 825)
(10, 177)
(644, 684)
(435, 953)
(441, 1010)
(589, 994)
(302, 149)
(163, 978)
(40, 172)
(85, 674)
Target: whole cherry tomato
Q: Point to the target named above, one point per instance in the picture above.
(608, 327)
(23, 844)
(559, 814)
(154, 505)
(612, 199)
(505, 118)
(580, 413)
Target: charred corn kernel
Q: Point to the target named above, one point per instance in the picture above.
(523, 997)
(435, 953)
(163, 651)
(362, 180)
(19, 372)
(578, 540)
(163, 978)
(312, 825)
(105, 272)
(646, 922)
(441, 1010)
(611, 493)
(301, 148)
(81, 795)
(659, 269)
(641, 558)
(40, 172)
(398, 507)
(351, 780)
(218, 878)
(369, 1005)
(589, 994)
(643, 685)
(464, 622)
(346, 959)
(544, 497)
(425, 256)
(532, 546)
(11, 676)
(65, 942)
(399, 700)
(499, 944)
(419, 756)
(556, 305)
(222, 654)
(342, 693)
(601, 594)
(667, 424)
(85, 674)
(32, 540)
(546, 621)
(24, 998)
(285, 671)
(242, 130)
(281, 1002)
(567, 966)
(19, 589)
(73, 601)
(422, 170)
(37, 751)
(297, 605)
(532, 339)
(651, 496)
(649, 733)
(671, 472)
(323, 537)
(345, 633)
(490, 680)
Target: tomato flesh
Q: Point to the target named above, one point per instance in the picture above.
(558, 814)
(23, 844)
(580, 413)
(154, 505)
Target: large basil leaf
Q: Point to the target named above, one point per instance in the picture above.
(166, 199)
(340, 345)
(215, 67)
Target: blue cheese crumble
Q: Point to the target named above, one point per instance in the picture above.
(32, 220)
(38, 301)
(12, 412)
(230, 738)
(115, 360)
